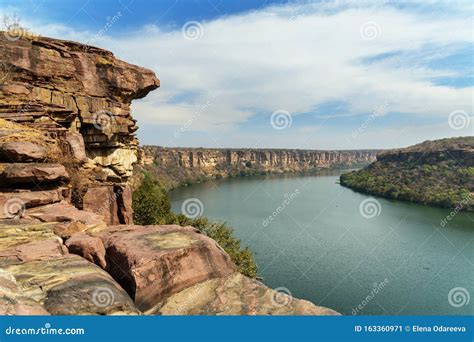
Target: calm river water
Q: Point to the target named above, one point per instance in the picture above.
(345, 250)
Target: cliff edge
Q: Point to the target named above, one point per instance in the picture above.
(68, 245)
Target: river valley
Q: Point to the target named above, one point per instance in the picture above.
(341, 249)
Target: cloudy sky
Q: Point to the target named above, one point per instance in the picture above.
(283, 74)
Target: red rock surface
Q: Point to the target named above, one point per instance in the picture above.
(151, 262)
(64, 212)
(111, 202)
(33, 173)
(21, 151)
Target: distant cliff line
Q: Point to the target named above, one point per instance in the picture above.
(177, 166)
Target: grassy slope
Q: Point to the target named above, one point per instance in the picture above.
(438, 173)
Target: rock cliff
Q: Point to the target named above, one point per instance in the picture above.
(178, 166)
(75, 101)
(67, 242)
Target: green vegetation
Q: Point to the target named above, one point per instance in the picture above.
(438, 173)
(151, 205)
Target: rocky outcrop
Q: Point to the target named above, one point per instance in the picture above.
(177, 166)
(47, 269)
(156, 261)
(68, 245)
(67, 103)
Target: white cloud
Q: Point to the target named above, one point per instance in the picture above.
(296, 58)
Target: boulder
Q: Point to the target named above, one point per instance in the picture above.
(33, 173)
(89, 247)
(235, 295)
(152, 262)
(22, 151)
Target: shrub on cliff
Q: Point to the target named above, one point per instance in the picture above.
(151, 205)
(224, 236)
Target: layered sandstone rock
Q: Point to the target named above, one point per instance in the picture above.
(176, 166)
(67, 103)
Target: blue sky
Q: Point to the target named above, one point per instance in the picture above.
(284, 74)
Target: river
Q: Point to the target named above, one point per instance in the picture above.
(345, 250)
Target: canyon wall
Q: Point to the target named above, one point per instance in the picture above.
(67, 242)
(178, 166)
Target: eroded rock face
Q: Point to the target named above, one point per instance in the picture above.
(152, 262)
(68, 103)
